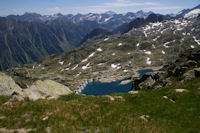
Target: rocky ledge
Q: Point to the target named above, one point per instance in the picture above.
(38, 90)
(185, 67)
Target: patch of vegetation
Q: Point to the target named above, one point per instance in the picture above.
(178, 113)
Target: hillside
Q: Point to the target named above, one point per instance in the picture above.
(27, 42)
(174, 108)
(157, 58)
(117, 56)
(30, 37)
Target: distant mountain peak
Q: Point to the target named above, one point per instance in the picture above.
(110, 13)
(31, 13)
(140, 11)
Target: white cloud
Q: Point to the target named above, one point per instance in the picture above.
(54, 10)
(164, 7)
(118, 6)
(127, 3)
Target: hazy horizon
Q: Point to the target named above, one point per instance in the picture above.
(47, 7)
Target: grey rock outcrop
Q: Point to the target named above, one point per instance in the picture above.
(150, 81)
(8, 86)
(191, 74)
(38, 90)
(147, 83)
(186, 67)
(48, 88)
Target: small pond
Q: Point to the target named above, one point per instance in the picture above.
(99, 88)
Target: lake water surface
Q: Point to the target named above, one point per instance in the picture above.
(99, 88)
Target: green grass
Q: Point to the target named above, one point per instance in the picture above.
(77, 113)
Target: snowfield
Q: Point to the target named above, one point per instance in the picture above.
(192, 14)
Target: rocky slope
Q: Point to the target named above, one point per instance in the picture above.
(139, 22)
(116, 56)
(186, 67)
(188, 12)
(27, 41)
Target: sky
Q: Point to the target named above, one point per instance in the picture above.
(48, 7)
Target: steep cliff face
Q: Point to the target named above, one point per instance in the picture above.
(186, 67)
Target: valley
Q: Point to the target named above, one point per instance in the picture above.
(115, 57)
(100, 72)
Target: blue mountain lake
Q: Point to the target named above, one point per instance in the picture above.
(99, 88)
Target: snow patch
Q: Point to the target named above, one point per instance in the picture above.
(100, 64)
(163, 52)
(120, 44)
(192, 46)
(117, 66)
(66, 69)
(75, 67)
(197, 41)
(99, 50)
(155, 39)
(113, 54)
(165, 44)
(107, 19)
(138, 45)
(145, 34)
(148, 62)
(176, 21)
(181, 90)
(61, 62)
(113, 65)
(106, 39)
(148, 52)
(85, 67)
(156, 24)
(125, 71)
(91, 55)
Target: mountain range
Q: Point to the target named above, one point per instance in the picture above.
(31, 37)
(103, 18)
(48, 64)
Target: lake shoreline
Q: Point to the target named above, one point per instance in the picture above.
(114, 78)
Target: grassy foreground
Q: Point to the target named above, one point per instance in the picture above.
(146, 112)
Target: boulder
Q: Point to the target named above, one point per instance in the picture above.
(8, 85)
(190, 63)
(188, 75)
(133, 92)
(191, 74)
(157, 87)
(48, 88)
(179, 70)
(147, 84)
(149, 80)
